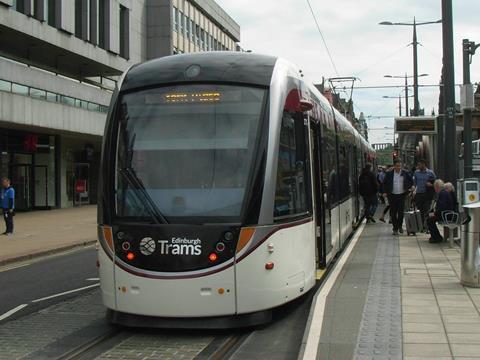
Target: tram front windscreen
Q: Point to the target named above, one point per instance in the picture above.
(184, 153)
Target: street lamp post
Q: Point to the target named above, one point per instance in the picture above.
(415, 60)
(469, 48)
(406, 87)
(399, 102)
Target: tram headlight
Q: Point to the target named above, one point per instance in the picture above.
(220, 247)
(228, 236)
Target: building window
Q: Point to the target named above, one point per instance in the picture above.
(182, 22)
(202, 39)
(5, 86)
(39, 10)
(175, 18)
(94, 21)
(197, 35)
(124, 33)
(67, 100)
(38, 94)
(192, 31)
(19, 5)
(78, 18)
(187, 28)
(51, 12)
(19, 89)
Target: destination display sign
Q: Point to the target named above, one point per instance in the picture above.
(416, 125)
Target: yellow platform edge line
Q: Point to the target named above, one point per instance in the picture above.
(320, 273)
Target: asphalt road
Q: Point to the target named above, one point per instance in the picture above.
(28, 283)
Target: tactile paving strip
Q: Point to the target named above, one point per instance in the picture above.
(380, 335)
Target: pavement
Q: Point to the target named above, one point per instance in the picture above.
(38, 233)
(398, 297)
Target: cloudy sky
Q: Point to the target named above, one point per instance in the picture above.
(360, 47)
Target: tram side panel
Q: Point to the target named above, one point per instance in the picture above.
(210, 295)
(292, 252)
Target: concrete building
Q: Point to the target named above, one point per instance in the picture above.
(59, 62)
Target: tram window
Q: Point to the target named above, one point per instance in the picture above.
(191, 147)
(291, 196)
(329, 161)
(343, 170)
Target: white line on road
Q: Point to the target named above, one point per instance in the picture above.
(66, 293)
(92, 279)
(7, 268)
(11, 312)
(315, 330)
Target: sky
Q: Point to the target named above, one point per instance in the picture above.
(361, 48)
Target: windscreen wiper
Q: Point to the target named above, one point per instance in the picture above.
(132, 178)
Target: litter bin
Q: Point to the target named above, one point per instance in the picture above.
(470, 242)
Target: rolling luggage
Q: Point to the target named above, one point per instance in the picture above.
(413, 221)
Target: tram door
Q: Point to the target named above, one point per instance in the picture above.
(315, 139)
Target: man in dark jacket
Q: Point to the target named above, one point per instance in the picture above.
(368, 187)
(396, 185)
(444, 202)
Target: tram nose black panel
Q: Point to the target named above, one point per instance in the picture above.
(175, 248)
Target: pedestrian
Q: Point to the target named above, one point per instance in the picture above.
(397, 184)
(451, 190)
(423, 180)
(386, 209)
(444, 202)
(380, 178)
(8, 205)
(368, 188)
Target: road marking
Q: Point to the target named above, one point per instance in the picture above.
(316, 324)
(66, 293)
(92, 279)
(13, 311)
(7, 268)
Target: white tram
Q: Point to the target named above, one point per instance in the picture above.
(226, 182)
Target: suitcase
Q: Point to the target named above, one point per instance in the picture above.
(413, 222)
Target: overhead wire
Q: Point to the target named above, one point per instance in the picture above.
(323, 38)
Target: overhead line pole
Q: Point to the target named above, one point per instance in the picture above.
(451, 156)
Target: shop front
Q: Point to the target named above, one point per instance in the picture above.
(30, 161)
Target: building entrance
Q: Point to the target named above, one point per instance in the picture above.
(21, 180)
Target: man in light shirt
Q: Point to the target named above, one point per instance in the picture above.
(423, 180)
(396, 185)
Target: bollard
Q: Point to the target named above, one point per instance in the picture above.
(470, 243)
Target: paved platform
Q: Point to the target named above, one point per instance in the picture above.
(399, 297)
(43, 232)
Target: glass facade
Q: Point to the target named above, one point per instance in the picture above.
(193, 31)
(40, 94)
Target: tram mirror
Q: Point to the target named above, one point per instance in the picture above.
(305, 105)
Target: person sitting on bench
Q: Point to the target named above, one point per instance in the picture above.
(444, 203)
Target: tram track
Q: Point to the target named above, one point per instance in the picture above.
(222, 347)
(96, 345)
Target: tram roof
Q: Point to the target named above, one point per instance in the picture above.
(224, 66)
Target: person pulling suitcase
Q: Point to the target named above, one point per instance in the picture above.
(397, 184)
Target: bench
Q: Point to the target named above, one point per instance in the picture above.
(451, 221)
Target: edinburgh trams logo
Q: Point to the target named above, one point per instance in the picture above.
(147, 246)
